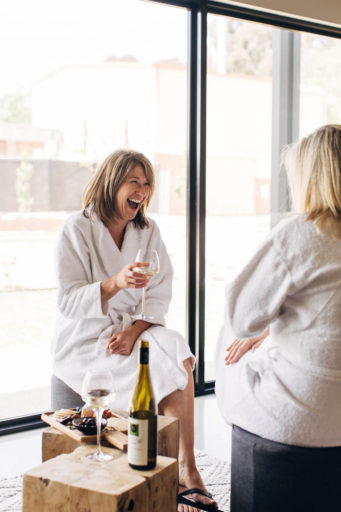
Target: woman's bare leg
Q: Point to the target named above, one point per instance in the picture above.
(181, 405)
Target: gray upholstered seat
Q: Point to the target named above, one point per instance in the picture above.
(274, 477)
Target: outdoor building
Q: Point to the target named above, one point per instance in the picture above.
(29, 141)
(82, 113)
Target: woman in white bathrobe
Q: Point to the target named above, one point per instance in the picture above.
(289, 389)
(99, 294)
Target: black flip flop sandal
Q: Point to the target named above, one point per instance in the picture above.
(196, 504)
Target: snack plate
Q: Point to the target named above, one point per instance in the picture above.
(115, 432)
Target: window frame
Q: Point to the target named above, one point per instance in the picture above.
(284, 131)
(285, 119)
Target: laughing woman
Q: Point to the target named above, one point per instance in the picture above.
(98, 294)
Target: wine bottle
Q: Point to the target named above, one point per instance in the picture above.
(142, 420)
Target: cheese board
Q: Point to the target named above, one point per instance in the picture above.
(114, 433)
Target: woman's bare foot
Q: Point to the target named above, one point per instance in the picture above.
(189, 478)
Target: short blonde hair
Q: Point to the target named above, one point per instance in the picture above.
(99, 194)
(313, 168)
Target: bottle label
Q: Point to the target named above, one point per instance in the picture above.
(137, 442)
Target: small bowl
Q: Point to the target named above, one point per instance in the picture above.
(87, 425)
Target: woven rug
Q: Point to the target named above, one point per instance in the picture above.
(215, 473)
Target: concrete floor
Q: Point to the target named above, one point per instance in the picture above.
(22, 451)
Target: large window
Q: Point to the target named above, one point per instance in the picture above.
(82, 78)
(238, 159)
(79, 80)
(240, 170)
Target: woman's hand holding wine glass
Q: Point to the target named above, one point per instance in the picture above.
(97, 392)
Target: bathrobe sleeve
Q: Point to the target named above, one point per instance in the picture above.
(78, 296)
(256, 296)
(159, 288)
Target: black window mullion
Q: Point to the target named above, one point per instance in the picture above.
(191, 260)
(201, 192)
(196, 191)
(21, 424)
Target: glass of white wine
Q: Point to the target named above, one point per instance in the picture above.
(97, 392)
(151, 267)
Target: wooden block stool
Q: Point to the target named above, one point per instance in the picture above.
(55, 443)
(72, 483)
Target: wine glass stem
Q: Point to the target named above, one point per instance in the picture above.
(99, 413)
(143, 301)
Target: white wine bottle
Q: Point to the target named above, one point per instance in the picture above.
(142, 420)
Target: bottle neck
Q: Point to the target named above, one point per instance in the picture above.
(144, 356)
(143, 397)
(143, 372)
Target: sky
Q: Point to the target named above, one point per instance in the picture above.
(39, 36)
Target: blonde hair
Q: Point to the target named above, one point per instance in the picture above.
(313, 168)
(99, 194)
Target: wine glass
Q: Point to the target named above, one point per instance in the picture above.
(151, 267)
(97, 392)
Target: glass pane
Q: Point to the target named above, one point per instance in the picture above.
(79, 79)
(239, 101)
(320, 90)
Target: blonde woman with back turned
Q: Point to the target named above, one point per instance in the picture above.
(289, 389)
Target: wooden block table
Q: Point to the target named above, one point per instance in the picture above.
(72, 483)
(55, 443)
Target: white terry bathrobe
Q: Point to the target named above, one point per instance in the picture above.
(86, 254)
(289, 389)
